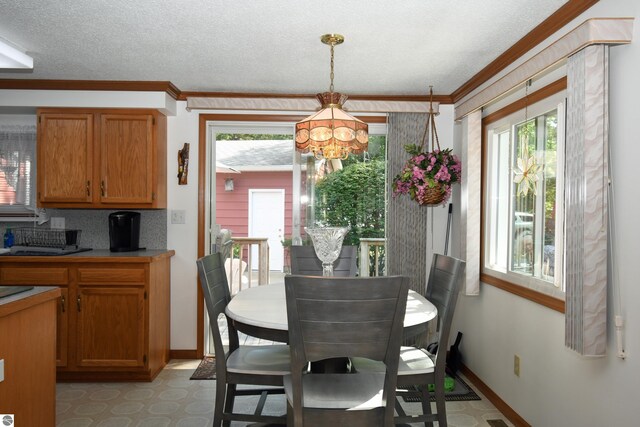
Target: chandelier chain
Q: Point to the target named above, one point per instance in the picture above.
(331, 74)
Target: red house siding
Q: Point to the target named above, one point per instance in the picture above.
(232, 207)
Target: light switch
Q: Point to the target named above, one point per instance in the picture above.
(178, 217)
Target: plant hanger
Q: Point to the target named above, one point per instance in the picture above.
(430, 125)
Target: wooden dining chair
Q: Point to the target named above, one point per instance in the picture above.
(343, 317)
(419, 367)
(304, 261)
(242, 364)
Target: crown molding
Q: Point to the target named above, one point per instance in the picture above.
(561, 17)
(106, 85)
(611, 31)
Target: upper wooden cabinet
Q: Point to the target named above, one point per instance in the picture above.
(102, 158)
(65, 157)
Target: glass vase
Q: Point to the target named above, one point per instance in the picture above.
(327, 242)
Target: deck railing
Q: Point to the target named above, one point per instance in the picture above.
(372, 257)
(235, 274)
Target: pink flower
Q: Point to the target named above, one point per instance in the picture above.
(443, 174)
(418, 173)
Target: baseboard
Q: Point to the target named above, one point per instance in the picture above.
(500, 404)
(183, 354)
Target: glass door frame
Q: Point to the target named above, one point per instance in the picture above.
(208, 125)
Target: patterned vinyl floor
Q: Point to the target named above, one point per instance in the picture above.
(174, 400)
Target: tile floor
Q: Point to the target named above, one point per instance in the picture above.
(174, 400)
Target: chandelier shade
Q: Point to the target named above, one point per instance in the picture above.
(332, 133)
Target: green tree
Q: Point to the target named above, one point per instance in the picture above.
(354, 196)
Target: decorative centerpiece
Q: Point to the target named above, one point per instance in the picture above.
(428, 175)
(327, 242)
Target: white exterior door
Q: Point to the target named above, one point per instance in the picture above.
(266, 219)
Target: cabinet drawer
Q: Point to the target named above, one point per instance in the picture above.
(111, 275)
(34, 276)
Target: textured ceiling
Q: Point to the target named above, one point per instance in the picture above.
(391, 48)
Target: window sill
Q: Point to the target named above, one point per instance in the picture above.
(535, 296)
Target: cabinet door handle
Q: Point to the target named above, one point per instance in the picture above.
(79, 307)
(63, 304)
(102, 188)
(88, 188)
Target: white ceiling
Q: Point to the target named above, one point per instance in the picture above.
(391, 48)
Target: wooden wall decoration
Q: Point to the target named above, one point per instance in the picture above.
(183, 164)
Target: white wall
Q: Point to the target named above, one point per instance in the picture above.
(437, 216)
(183, 238)
(556, 386)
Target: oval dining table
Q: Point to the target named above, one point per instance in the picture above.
(261, 312)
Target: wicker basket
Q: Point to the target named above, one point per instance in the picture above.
(432, 196)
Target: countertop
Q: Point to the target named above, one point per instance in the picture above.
(96, 255)
(21, 300)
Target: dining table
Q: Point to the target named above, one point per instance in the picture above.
(261, 312)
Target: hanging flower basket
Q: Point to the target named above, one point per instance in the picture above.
(432, 196)
(428, 175)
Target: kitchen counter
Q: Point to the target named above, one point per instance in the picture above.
(12, 303)
(114, 312)
(96, 255)
(28, 349)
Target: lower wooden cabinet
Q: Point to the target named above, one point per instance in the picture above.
(111, 327)
(112, 316)
(27, 348)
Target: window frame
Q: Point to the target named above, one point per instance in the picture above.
(537, 103)
(21, 212)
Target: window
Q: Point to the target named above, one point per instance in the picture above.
(17, 171)
(523, 197)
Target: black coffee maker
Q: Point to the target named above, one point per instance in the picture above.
(124, 231)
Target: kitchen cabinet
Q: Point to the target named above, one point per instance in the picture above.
(112, 316)
(50, 275)
(104, 159)
(65, 157)
(27, 349)
(111, 309)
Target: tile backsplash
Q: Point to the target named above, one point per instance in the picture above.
(94, 224)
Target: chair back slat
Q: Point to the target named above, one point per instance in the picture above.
(213, 282)
(328, 316)
(305, 262)
(443, 287)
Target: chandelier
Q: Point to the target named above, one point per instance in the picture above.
(331, 133)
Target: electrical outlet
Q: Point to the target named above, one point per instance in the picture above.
(57, 222)
(516, 365)
(1, 370)
(178, 217)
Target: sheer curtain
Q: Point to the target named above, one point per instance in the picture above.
(17, 169)
(406, 220)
